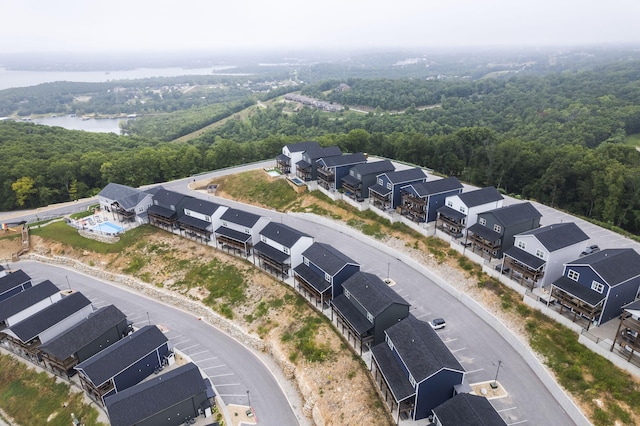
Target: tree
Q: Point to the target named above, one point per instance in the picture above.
(24, 189)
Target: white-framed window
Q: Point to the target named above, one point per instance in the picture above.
(389, 342)
(187, 212)
(327, 277)
(573, 275)
(370, 317)
(247, 230)
(224, 223)
(140, 209)
(596, 286)
(263, 238)
(352, 173)
(207, 218)
(359, 176)
(482, 221)
(285, 249)
(388, 185)
(412, 380)
(449, 203)
(347, 294)
(540, 253)
(497, 228)
(463, 209)
(522, 245)
(306, 261)
(380, 181)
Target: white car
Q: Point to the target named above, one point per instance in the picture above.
(437, 323)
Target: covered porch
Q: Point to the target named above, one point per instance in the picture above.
(581, 303)
(234, 241)
(524, 267)
(451, 221)
(380, 197)
(162, 217)
(392, 383)
(198, 229)
(355, 327)
(326, 177)
(312, 286)
(484, 241)
(272, 260)
(414, 207)
(352, 187)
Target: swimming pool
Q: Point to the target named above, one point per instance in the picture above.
(273, 173)
(108, 228)
(297, 181)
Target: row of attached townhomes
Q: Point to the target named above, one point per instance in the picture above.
(588, 287)
(116, 365)
(361, 305)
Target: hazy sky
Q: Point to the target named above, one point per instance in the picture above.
(163, 25)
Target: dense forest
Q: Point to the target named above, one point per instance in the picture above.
(559, 138)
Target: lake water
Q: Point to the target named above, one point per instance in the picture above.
(102, 125)
(9, 78)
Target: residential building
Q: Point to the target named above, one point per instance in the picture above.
(239, 231)
(331, 170)
(628, 330)
(125, 363)
(167, 207)
(200, 218)
(26, 303)
(461, 211)
(366, 308)
(362, 176)
(14, 283)
(421, 200)
(173, 398)
(468, 410)
(292, 154)
(386, 192)
(98, 331)
(26, 336)
(414, 370)
(596, 287)
(280, 249)
(306, 169)
(126, 203)
(322, 272)
(494, 233)
(538, 256)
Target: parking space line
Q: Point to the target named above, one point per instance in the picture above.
(517, 423)
(457, 350)
(506, 409)
(198, 353)
(475, 371)
(223, 375)
(228, 384)
(190, 347)
(215, 366)
(207, 359)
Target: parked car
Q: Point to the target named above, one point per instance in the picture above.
(437, 323)
(590, 250)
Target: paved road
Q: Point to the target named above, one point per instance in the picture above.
(233, 368)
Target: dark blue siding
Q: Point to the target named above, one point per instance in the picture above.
(10, 293)
(436, 201)
(140, 370)
(341, 277)
(434, 391)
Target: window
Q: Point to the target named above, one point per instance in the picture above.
(412, 380)
(327, 278)
(389, 342)
(140, 209)
(388, 185)
(596, 286)
(224, 223)
(306, 261)
(482, 221)
(285, 249)
(370, 317)
(463, 209)
(263, 238)
(347, 294)
(497, 228)
(573, 275)
(187, 212)
(380, 181)
(540, 254)
(207, 218)
(247, 230)
(359, 176)
(449, 203)
(522, 245)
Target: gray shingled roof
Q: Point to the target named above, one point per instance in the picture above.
(438, 186)
(533, 262)
(25, 299)
(302, 146)
(201, 206)
(233, 234)
(613, 265)
(375, 167)
(393, 372)
(144, 400)
(421, 349)
(371, 292)
(480, 196)
(31, 327)
(322, 152)
(282, 234)
(165, 197)
(468, 410)
(13, 280)
(559, 235)
(312, 277)
(271, 252)
(107, 363)
(77, 337)
(352, 315)
(403, 176)
(240, 217)
(194, 222)
(327, 258)
(126, 196)
(514, 214)
(343, 160)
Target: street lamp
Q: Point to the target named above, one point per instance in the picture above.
(248, 399)
(494, 385)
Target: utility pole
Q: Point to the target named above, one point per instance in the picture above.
(494, 385)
